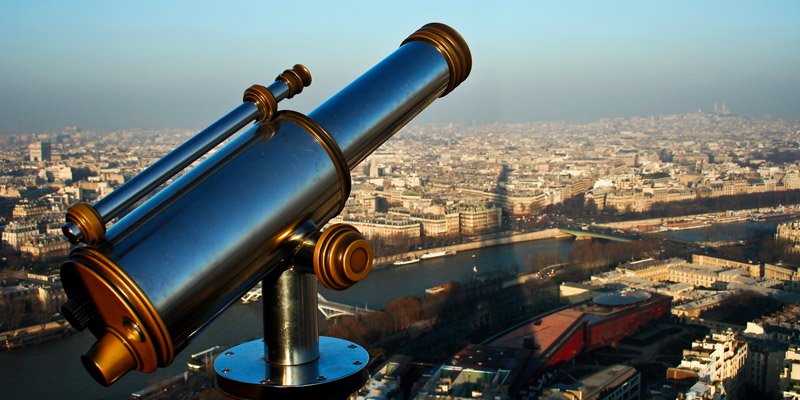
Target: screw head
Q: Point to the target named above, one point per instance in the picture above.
(356, 362)
(228, 353)
(352, 346)
(226, 370)
(322, 378)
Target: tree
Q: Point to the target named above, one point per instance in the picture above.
(11, 314)
(403, 311)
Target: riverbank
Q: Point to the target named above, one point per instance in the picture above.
(486, 241)
(722, 217)
(35, 334)
(693, 221)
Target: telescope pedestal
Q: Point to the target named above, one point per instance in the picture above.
(292, 361)
(338, 372)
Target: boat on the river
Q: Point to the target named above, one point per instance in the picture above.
(679, 226)
(773, 217)
(406, 261)
(437, 254)
(439, 289)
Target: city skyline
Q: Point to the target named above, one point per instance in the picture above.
(174, 66)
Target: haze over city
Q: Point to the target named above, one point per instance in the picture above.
(182, 64)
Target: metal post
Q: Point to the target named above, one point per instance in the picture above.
(290, 319)
(292, 361)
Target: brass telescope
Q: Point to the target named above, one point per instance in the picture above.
(252, 211)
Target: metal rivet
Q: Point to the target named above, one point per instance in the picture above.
(321, 378)
(356, 362)
(228, 353)
(226, 370)
(352, 346)
(266, 381)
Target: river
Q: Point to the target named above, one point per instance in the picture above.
(53, 369)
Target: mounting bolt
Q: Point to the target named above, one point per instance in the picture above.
(322, 378)
(226, 370)
(266, 382)
(228, 353)
(356, 362)
(352, 346)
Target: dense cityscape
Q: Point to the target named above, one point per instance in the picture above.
(628, 313)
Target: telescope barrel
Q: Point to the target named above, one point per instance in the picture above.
(173, 264)
(257, 105)
(430, 63)
(159, 172)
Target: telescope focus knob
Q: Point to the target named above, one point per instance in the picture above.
(79, 312)
(342, 257)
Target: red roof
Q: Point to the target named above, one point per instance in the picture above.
(543, 334)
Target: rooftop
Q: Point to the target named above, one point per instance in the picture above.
(544, 332)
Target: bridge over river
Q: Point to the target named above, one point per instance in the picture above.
(593, 234)
(330, 309)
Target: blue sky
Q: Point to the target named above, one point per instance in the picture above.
(110, 65)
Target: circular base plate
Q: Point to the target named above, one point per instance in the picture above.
(339, 371)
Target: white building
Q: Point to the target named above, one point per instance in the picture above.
(716, 361)
(17, 233)
(790, 377)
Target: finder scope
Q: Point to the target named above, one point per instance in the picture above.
(252, 211)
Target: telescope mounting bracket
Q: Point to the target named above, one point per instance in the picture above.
(292, 361)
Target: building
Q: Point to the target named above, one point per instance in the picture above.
(39, 151)
(790, 231)
(477, 372)
(433, 225)
(781, 272)
(615, 382)
(564, 334)
(650, 269)
(717, 361)
(27, 210)
(790, 376)
(17, 233)
(754, 270)
(386, 228)
(782, 326)
(391, 381)
(550, 340)
(700, 286)
(478, 220)
(46, 248)
(765, 364)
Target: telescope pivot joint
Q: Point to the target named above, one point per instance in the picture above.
(340, 256)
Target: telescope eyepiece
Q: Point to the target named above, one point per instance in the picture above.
(84, 223)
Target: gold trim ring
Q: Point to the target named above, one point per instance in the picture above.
(451, 45)
(329, 144)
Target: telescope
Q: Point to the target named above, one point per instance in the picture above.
(253, 211)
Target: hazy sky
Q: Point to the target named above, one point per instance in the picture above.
(141, 64)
